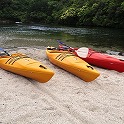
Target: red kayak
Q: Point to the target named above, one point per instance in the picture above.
(98, 59)
(104, 61)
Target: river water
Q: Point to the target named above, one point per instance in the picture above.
(35, 35)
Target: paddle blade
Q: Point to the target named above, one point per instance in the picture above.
(82, 52)
(1, 49)
(60, 42)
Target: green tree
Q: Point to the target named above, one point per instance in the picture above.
(106, 13)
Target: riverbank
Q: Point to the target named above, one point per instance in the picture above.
(65, 99)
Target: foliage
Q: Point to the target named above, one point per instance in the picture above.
(105, 13)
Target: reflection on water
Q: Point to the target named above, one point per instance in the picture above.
(41, 35)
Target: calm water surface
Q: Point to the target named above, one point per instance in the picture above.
(44, 35)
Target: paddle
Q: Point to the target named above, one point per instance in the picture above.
(81, 52)
(60, 42)
(1, 49)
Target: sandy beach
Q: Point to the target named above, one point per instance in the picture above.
(65, 99)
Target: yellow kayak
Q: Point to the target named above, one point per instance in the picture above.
(23, 65)
(72, 64)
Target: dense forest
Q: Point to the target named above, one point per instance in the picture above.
(104, 13)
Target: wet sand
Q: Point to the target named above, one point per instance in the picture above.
(65, 99)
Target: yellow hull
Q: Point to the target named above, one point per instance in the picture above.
(73, 64)
(27, 67)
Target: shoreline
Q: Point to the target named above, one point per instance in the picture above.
(63, 99)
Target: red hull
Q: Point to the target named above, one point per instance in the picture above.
(104, 61)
